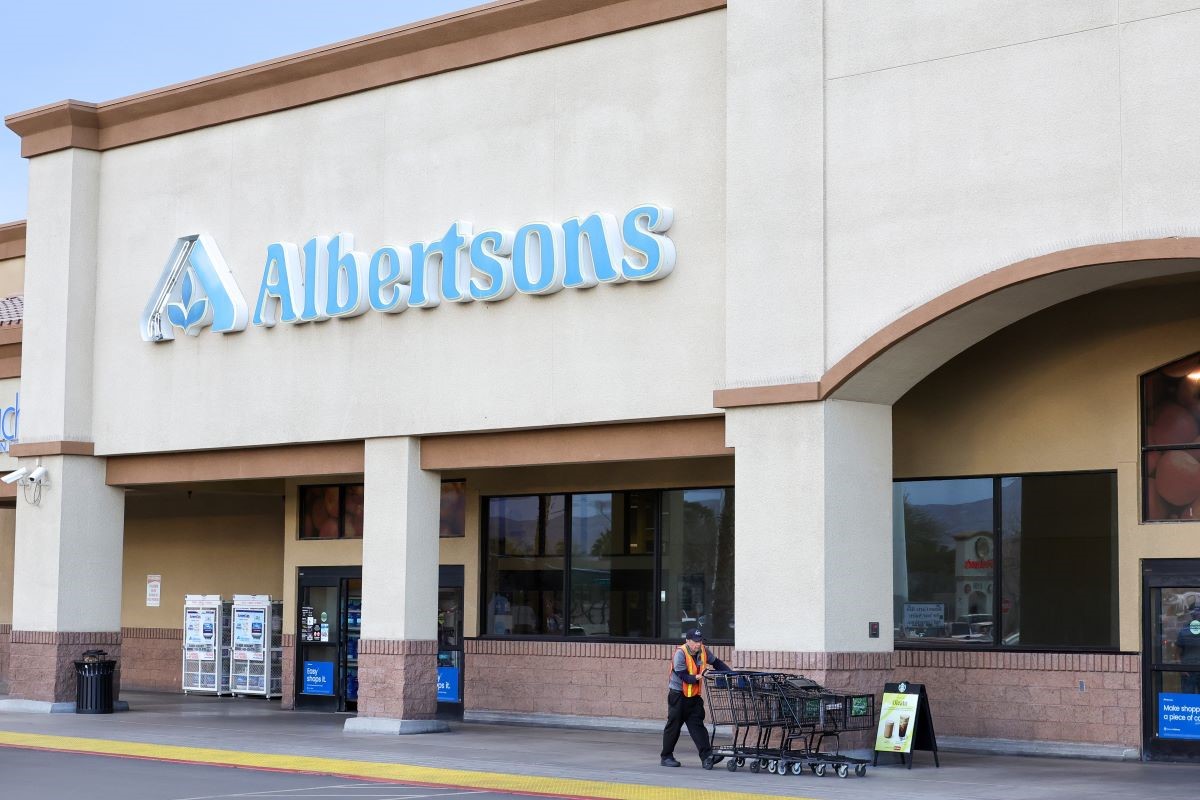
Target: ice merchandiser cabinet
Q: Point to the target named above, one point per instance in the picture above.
(256, 655)
(206, 622)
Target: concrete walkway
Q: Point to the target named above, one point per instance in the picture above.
(577, 763)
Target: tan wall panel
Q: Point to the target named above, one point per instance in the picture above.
(681, 438)
(8, 538)
(202, 554)
(12, 276)
(1059, 392)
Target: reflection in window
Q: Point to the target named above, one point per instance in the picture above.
(1055, 563)
(598, 550)
(1171, 441)
(944, 539)
(331, 512)
(452, 519)
(697, 562)
(525, 565)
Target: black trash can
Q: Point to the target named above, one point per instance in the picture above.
(94, 683)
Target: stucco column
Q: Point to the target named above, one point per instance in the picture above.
(69, 531)
(67, 578)
(397, 673)
(814, 538)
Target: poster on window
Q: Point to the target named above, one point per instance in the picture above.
(248, 626)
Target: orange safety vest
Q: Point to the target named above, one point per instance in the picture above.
(692, 689)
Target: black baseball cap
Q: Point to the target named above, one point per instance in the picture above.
(695, 635)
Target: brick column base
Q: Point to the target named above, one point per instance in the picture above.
(5, 639)
(397, 687)
(42, 663)
(288, 699)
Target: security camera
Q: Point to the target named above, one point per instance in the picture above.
(16, 475)
(38, 475)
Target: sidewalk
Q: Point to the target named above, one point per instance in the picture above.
(578, 763)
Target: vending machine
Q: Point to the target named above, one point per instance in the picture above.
(206, 621)
(256, 656)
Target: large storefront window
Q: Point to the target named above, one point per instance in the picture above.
(1171, 441)
(1037, 552)
(637, 565)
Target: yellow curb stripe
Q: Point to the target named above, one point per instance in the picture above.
(401, 773)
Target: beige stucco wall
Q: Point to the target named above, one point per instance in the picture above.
(12, 276)
(1059, 392)
(599, 126)
(8, 527)
(206, 545)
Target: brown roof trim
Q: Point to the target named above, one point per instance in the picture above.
(57, 448)
(958, 297)
(584, 444)
(283, 461)
(10, 366)
(453, 41)
(12, 239)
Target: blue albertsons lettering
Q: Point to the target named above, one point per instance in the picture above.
(328, 278)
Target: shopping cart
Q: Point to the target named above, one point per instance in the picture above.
(817, 718)
(781, 723)
(736, 702)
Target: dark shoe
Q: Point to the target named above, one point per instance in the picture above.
(716, 759)
(669, 762)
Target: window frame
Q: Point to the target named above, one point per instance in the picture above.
(997, 646)
(567, 555)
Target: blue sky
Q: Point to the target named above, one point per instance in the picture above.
(98, 51)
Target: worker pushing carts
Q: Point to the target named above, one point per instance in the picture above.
(781, 723)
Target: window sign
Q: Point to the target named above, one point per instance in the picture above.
(447, 684)
(318, 677)
(1179, 716)
(327, 277)
(153, 591)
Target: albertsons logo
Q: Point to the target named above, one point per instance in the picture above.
(196, 291)
(327, 278)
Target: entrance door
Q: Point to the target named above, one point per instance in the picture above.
(1171, 659)
(328, 621)
(450, 640)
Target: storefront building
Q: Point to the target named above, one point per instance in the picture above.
(504, 347)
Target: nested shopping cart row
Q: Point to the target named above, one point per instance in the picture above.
(780, 723)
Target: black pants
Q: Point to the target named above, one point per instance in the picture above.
(685, 711)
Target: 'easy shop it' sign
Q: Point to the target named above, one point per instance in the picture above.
(318, 677)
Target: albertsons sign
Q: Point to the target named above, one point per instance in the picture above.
(328, 278)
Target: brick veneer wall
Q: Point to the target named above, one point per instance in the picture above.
(288, 700)
(1030, 696)
(41, 663)
(1025, 696)
(152, 658)
(583, 678)
(5, 642)
(397, 678)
